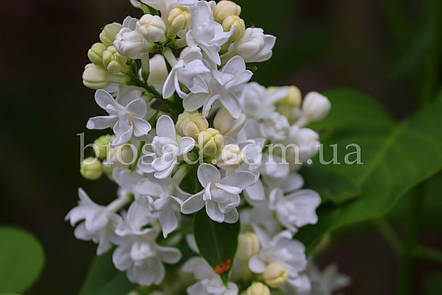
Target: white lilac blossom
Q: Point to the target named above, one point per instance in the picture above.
(225, 86)
(205, 32)
(193, 137)
(126, 121)
(137, 251)
(188, 71)
(99, 222)
(220, 195)
(166, 149)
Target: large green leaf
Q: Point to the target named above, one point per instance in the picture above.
(21, 260)
(104, 279)
(396, 157)
(217, 242)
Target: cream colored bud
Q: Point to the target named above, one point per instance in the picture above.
(238, 23)
(226, 124)
(231, 156)
(191, 124)
(224, 9)
(96, 77)
(248, 246)
(102, 145)
(152, 27)
(210, 142)
(179, 19)
(91, 169)
(293, 99)
(275, 275)
(107, 36)
(113, 61)
(258, 288)
(95, 54)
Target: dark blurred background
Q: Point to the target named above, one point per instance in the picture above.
(380, 47)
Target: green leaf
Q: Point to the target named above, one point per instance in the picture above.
(432, 283)
(397, 157)
(217, 242)
(21, 260)
(104, 279)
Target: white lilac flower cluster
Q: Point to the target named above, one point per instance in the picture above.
(191, 133)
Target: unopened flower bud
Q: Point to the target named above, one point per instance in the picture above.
(224, 9)
(231, 156)
(248, 246)
(255, 46)
(179, 20)
(275, 275)
(315, 107)
(91, 169)
(152, 27)
(107, 36)
(226, 124)
(191, 124)
(238, 24)
(293, 99)
(131, 43)
(258, 288)
(210, 142)
(95, 54)
(157, 71)
(113, 61)
(96, 77)
(102, 145)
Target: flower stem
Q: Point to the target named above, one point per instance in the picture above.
(389, 234)
(429, 254)
(407, 271)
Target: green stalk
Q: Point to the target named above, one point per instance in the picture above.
(395, 13)
(407, 259)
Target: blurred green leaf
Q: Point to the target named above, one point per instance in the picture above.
(21, 260)
(432, 284)
(217, 242)
(104, 279)
(397, 156)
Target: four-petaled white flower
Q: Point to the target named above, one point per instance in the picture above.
(168, 198)
(208, 282)
(99, 222)
(188, 71)
(282, 250)
(206, 33)
(137, 251)
(225, 86)
(166, 150)
(220, 195)
(127, 121)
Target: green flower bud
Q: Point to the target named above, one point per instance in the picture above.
(258, 288)
(107, 36)
(91, 169)
(95, 54)
(102, 145)
(191, 124)
(238, 23)
(210, 142)
(224, 9)
(113, 61)
(275, 275)
(96, 77)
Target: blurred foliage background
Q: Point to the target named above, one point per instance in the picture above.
(390, 49)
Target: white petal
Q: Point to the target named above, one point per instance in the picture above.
(240, 180)
(186, 144)
(103, 99)
(166, 127)
(138, 107)
(101, 122)
(193, 204)
(232, 105)
(194, 101)
(169, 255)
(213, 212)
(208, 174)
(257, 265)
(141, 127)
